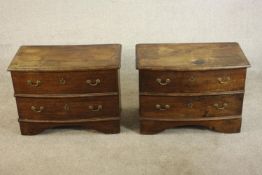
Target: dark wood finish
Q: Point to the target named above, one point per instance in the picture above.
(105, 126)
(65, 82)
(66, 95)
(199, 84)
(190, 56)
(191, 107)
(225, 125)
(192, 81)
(67, 58)
(190, 94)
(67, 86)
(68, 108)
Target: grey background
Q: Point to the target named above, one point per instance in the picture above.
(176, 151)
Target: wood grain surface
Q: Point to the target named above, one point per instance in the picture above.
(67, 108)
(192, 81)
(67, 58)
(191, 56)
(65, 82)
(224, 125)
(191, 107)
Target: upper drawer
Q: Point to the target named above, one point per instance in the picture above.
(177, 107)
(68, 108)
(192, 81)
(65, 82)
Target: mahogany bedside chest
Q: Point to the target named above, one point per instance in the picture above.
(67, 86)
(191, 84)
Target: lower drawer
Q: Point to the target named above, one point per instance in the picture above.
(190, 106)
(67, 108)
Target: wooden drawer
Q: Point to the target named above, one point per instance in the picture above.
(190, 106)
(192, 81)
(65, 82)
(67, 108)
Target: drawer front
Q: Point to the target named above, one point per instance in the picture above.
(178, 107)
(192, 81)
(67, 108)
(65, 82)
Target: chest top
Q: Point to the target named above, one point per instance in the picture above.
(195, 56)
(66, 58)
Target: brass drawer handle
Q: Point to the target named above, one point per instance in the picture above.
(220, 107)
(162, 107)
(34, 84)
(66, 107)
(159, 80)
(93, 84)
(223, 80)
(98, 108)
(41, 108)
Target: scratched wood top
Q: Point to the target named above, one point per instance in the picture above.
(193, 56)
(66, 58)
